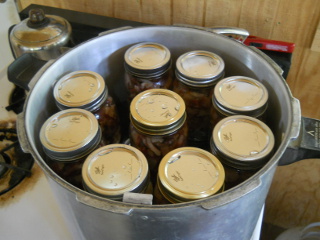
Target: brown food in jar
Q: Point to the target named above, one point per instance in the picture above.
(155, 147)
(243, 144)
(109, 122)
(158, 197)
(87, 90)
(215, 117)
(235, 176)
(197, 72)
(239, 95)
(198, 103)
(136, 85)
(147, 66)
(157, 125)
(69, 171)
(67, 138)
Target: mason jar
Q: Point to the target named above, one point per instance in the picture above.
(187, 174)
(67, 138)
(243, 145)
(112, 170)
(197, 72)
(87, 90)
(157, 125)
(239, 95)
(147, 66)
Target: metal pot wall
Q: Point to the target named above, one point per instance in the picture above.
(232, 214)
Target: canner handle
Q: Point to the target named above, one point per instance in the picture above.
(21, 127)
(238, 34)
(306, 145)
(305, 132)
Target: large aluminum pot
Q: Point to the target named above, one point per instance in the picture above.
(232, 214)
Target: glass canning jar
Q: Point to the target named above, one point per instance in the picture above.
(157, 125)
(186, 174)
(239, 95)
(67, 138)
(147, 66)
(197, 72)
(87, 90)
(243, 145)
(112, 170)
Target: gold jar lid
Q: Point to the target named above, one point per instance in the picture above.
(242, 142)
(199, 68)
(147, 59)
(80, 89)
(114, 169)
(240, 95)
(157, 111)
(70, 134)
(190, 173)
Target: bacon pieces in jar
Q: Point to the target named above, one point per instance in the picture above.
(158, 124)
(197, 72)
(148, 66)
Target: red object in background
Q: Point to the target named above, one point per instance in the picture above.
(271, 45)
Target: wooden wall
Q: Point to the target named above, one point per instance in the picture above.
(285, 20)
